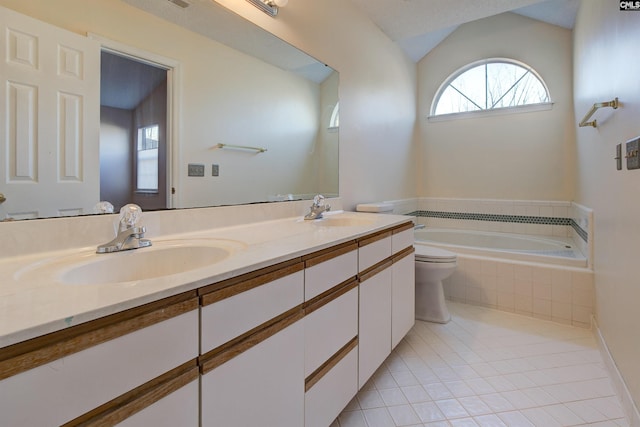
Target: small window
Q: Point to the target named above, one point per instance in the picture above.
(147, 159)
(490, 84)
(334, 122)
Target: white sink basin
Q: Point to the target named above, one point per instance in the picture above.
(163, 258)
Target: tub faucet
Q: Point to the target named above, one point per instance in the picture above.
(317, 208)
(130, 234)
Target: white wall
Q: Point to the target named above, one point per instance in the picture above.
(527, 156)
(606, 52)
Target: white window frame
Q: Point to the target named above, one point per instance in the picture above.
(492, 111)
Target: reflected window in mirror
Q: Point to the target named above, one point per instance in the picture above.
(334, 122)
(147, 159)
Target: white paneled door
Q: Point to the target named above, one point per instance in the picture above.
(49, 116)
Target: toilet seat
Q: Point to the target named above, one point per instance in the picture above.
(426, 253)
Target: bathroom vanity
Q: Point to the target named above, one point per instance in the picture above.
(282, 329)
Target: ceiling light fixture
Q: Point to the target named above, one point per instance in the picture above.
(270, 7)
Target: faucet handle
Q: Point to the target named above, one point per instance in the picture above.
(318, 200)
(130, 216)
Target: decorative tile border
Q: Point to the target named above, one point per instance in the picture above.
(521, 219)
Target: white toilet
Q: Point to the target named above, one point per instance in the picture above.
(433, 265)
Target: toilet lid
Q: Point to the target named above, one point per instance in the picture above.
(429, 253)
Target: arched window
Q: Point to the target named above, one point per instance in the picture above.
(491, 84)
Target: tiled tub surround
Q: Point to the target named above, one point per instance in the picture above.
(551, 292)
(534, 217)
(563, 294)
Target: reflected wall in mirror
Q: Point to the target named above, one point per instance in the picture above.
(234, 84)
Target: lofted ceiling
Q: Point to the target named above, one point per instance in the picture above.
(417, 26)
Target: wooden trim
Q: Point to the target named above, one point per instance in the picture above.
(375, 269)
(372, 238)
(228, 351)
(329, 253)
(402, 227)
(237, 287)
(403, 253)
(330, 295)
(38, 351)
(324, 369)
(248, 276)
(126, 405)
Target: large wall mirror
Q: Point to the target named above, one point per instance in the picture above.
(168, 105)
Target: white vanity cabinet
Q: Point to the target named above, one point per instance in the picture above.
(252, 361)
(288, 345)
(104, 371)
(330, 332)
(403, 288)
(387, 295)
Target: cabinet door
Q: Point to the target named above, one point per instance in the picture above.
(328, 328)
(375, 321)
(179, 408)
(92, 364)
(325, 399)
(247, 302)
(262, 386)
(403, 295)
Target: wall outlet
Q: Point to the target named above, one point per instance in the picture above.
(195, 170)
(215, 170)
(633, 153)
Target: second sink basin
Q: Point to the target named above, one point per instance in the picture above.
(342, 219)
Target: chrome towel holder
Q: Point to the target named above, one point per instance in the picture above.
(241, 147)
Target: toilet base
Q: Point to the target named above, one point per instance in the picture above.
(445, 318)
(430, 302)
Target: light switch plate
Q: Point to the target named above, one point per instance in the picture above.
(618, 157)
(215, 170)
(633, 153)
(195, 170)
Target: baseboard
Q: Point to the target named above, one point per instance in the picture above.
(620, 387)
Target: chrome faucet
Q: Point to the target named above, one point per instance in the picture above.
(130, 234)
(317, 208)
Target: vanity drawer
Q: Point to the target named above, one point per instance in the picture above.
(402, 237)
(240, 305)
(328, 268)
(373, 249)
(258, 381)
(71, 372)
(327, 395)
(329, 324)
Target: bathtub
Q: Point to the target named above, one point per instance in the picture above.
(551, 250)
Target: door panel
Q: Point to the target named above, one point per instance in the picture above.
(49, 151)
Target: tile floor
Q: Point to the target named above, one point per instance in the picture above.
(489, 368)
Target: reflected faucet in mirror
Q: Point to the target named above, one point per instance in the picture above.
(130, 232)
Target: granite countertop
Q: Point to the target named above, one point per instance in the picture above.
(35, 299)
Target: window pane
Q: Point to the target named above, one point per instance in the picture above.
(147, 158)
(472, 86)
(451, 101)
